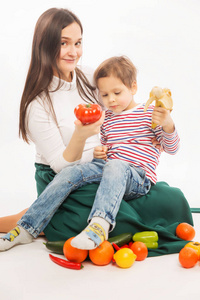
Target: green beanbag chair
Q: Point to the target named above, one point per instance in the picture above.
(161, 210)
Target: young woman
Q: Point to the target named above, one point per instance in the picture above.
(54, 86)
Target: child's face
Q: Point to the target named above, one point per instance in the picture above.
(115, 95)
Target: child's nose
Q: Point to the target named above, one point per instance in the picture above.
(111, 98)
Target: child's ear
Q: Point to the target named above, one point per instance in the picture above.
(134, 87)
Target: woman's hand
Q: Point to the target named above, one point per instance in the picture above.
(100, 152)
(74, 150)
(86, 131)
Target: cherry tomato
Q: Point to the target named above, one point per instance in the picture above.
(140, 249)
(88, 113)
(188, 257)
(185, 231)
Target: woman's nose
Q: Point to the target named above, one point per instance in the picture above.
(72, 51)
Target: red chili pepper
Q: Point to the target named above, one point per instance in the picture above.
(124, 246)
(130, 244)
(66, 263)
(113, 260)
(116, 247)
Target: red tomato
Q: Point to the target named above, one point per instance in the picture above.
(140, 249)
(188, 257)
(88, 113)
(185, 231)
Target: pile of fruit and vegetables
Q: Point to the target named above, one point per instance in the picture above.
(124, 249)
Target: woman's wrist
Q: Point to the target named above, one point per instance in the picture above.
(74, 150)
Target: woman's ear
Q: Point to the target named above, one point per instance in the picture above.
(134, 87)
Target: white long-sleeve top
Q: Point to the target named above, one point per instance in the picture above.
(51, 140)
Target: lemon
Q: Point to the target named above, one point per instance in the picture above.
(124, 258)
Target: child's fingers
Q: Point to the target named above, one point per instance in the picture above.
(104, 149)
(100, 155)
(100, 152)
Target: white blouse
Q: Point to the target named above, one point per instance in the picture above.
(51, 140)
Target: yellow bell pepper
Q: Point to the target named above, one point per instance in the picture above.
(195, 246)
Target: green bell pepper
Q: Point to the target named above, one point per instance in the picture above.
(149, 238)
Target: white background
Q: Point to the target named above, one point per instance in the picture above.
(162, 38)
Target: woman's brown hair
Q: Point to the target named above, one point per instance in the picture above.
(45, 51)
(120, 67)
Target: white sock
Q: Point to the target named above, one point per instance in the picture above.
(16, 236)
(93, 235)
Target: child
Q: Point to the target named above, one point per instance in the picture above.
(126, 137)
(124, 165)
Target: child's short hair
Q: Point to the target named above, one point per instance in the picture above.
(120, 67)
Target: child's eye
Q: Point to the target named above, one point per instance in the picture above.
(104, 95)
(117, 93)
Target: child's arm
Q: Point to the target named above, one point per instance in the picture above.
(167, 135)
(100, 152)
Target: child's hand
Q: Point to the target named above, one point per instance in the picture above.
(162, 117)
(157, 144)
(100, 152)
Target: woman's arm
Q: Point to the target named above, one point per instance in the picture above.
(74, 150)
(58, 145)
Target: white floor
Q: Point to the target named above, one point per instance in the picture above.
(28, 273)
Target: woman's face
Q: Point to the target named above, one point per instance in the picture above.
(70, 51)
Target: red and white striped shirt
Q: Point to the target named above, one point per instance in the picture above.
(128, 136)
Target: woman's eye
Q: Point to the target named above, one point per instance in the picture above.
(78, 43)
(63, 43)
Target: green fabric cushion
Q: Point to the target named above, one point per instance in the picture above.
(162, 209)
(195, 209)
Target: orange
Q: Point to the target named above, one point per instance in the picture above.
(188, 257)
(185, 231)
(74, 254)
(102, 255)
(140, 249)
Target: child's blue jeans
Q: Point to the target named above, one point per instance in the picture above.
(118, 179)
